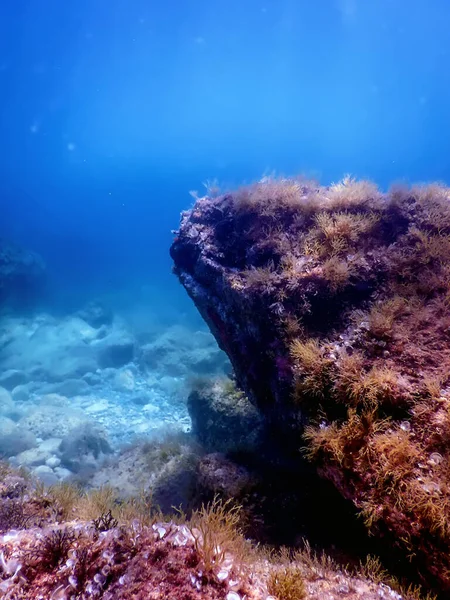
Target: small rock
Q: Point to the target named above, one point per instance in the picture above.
(124, 380)
(7, 426)
(62, 473)
(54, 400)
(92, 378)
(223, 418)
(219, 475)
(53, 462)
(108, 373)
(52, 421)
(142, 427)
(85, 445)
(50, 445)
(6, 402)
(151, 408)
(97, 407)
(46, 475)
(16, 441)
(33, 457)
(20, 393)
(140, 399)
(70, 388)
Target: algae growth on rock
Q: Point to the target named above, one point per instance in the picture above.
(332, 304)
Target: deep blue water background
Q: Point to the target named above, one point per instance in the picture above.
(112, 110)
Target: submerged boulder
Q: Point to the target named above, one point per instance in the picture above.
(84, 447)
(223, 419)
(58, 544)
(332, 304)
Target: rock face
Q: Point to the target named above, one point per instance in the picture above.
(21, 273)
(332, 304)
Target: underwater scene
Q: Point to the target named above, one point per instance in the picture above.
(224, 300)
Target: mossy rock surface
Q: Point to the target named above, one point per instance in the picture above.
(332, 304)
(223, 418)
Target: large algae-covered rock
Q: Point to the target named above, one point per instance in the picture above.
(332, 304)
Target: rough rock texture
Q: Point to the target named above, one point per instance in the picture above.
(332, 304)
(83, 447)
(223, 419)
(21, 273)
(219, 475)
(120, 551)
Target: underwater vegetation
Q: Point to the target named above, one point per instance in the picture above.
(76, 545)
(332, 303)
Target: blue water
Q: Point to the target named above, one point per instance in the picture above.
(112, 110)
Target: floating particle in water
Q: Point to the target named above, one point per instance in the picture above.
(34, 128)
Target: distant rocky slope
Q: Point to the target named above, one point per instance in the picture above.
(21, 273)
(332, 304)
